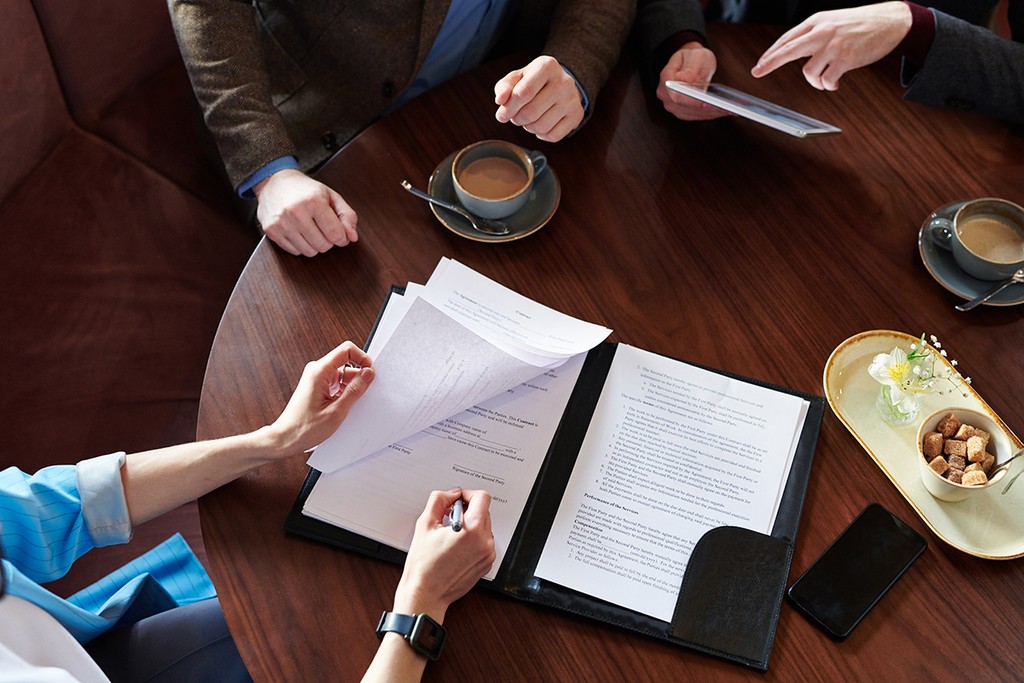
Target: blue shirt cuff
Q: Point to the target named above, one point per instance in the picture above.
(583, 94)
(104, 507)
(245, 189)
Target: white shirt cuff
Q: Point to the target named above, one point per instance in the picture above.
(103, 503)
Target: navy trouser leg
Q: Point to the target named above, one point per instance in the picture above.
(188, 643)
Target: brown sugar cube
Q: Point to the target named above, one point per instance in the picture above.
(954, 447)
(956, 476)
(975, 478)
(975, 448)
(957, 462)
(948, 425)
(932, 444)
(987, 463)
(939, 464)
(966, 431)
(974, 467)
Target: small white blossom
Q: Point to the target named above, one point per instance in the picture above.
(909, 377)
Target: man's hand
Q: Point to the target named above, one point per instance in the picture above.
(839, 41)
(302, 215)
(694, 65)
(320, 403)
(542, 98)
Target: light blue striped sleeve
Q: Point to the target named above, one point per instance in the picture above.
(43, 523)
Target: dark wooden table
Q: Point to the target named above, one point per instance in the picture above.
(724, 243)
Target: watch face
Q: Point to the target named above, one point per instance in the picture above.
(427, 636)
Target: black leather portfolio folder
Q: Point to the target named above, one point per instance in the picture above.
(732, 590)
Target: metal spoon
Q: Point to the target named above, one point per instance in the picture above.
(1005, 465)
(484, 225)
(1016, 277)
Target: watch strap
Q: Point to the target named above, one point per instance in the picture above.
(394, 621)
(424, 635)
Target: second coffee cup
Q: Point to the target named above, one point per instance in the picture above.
(493, 178)
(986, 237)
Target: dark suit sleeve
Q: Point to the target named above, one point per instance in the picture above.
(972, 69)
(656, 22)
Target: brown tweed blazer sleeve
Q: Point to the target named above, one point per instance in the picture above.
(587, 38)
(219, 42)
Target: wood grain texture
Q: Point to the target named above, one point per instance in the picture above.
(724, 243)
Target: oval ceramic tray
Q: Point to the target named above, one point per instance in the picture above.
(988, 524)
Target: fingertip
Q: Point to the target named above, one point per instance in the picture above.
(362, 380)
(439, 502)
(480, 499)
(353, 388)
(433, 510)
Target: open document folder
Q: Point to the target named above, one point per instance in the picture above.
(626, 486)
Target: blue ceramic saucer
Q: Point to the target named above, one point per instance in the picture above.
(943, 268)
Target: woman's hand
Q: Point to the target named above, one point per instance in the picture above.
(326, 392)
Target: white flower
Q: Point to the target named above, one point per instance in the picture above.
(910, 377)
(894, 370)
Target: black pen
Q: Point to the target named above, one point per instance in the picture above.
(456, 516)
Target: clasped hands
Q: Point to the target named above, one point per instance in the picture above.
(833, 42)
(303, 216)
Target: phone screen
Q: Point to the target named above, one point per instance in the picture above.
(853, 573)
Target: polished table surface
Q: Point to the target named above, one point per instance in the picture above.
(723, 243)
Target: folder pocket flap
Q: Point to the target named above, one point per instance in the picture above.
(731, 594)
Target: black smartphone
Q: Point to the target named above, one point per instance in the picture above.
(856, 570)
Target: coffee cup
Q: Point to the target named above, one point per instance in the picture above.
(493, 178)
(986, 237)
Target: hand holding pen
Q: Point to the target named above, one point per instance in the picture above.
(442, 566)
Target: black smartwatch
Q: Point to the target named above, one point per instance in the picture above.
(424, 635)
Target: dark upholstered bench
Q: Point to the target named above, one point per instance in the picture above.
(119, 245)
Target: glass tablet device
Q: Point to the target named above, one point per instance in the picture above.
(755, 109)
